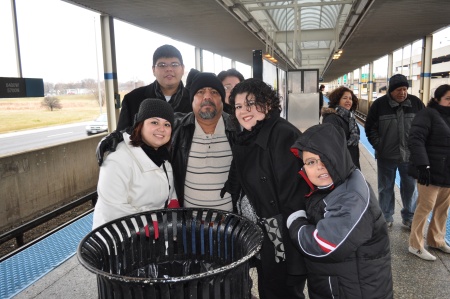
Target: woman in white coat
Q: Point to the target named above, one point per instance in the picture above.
(137, 177)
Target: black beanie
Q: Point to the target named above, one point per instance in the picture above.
(202, 80)
(397, 81)
(154, 108)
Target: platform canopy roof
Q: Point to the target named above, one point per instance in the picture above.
(301, 34)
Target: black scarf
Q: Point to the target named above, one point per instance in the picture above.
(247, 137)
(175, 99)
(157, 156)
(349, 117)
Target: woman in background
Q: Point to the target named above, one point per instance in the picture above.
(340, 112)
(429, 144)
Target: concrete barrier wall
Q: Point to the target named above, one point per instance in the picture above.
(37, 181)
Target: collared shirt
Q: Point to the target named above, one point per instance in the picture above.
(207, 169)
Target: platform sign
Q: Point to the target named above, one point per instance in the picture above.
(21, 87)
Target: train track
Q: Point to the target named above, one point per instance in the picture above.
(23, 236)
(361, 117)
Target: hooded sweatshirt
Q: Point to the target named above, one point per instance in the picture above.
(344, 238)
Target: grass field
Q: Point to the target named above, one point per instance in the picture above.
(27, 113)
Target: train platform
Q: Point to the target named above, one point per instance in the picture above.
(50, 268)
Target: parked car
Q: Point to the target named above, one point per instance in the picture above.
(99, 125)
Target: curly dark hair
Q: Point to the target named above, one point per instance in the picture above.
(336, 95)
(266, 99)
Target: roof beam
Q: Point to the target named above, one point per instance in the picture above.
(321, 52)
(308, 4)
(305, 35)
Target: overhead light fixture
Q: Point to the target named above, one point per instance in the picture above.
(269, 57)
(228, 2)
(241, 14)
(253, 26)
(337, 54)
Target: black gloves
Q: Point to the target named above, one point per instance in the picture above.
(424, 175)
(108, 144)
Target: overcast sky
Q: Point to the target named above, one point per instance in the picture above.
(57, 42)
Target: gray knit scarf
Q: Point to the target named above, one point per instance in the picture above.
(349, 117)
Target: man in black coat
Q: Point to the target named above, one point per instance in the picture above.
(168, 69)
(387, 128)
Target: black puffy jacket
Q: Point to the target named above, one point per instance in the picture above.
(345, 239)
(429, 143)
(182, 135)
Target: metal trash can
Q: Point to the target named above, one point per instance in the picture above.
(178, 253)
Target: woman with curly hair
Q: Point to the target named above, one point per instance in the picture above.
(263, 181)
(340, 112)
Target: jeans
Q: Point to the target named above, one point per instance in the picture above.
(386, 181)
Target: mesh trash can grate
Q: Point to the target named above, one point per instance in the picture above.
(180, 253)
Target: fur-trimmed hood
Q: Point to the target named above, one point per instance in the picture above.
(328, 110)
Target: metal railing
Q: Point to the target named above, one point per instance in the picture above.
(19, 231)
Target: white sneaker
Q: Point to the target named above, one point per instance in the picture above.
(444, 248)
(422, 253)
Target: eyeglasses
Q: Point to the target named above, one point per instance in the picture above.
(312, 162)
(163, 65)
(228, 87)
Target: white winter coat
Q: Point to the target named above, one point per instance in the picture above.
(130, 182)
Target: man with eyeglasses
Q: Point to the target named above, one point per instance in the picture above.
(168, 69)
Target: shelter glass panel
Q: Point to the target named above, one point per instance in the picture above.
(295, 82)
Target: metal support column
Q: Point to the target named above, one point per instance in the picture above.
(199, 59)
(109, 65)
(359, 82)
(390, 69)
(425, 72)
(16, 38)
(370, 85)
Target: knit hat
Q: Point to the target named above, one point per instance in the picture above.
(202, 80)
(154, 108)
(397, 81)
(192, 73)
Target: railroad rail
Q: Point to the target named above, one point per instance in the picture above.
(19, 231)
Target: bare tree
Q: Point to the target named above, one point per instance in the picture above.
(90, 84)
(51, 103)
